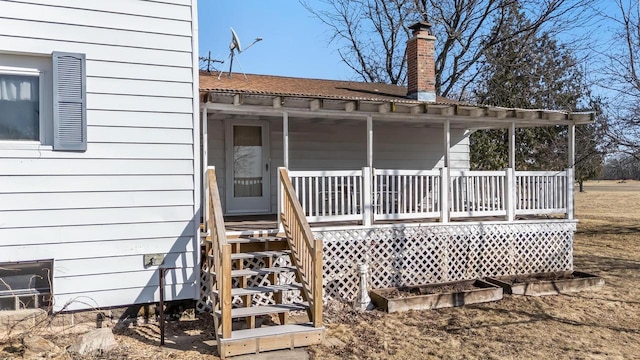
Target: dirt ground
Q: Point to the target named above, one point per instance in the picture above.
(602, 324)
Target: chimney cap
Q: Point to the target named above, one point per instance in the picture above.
(421, 26)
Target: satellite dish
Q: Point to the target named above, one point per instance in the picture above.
(235, 48)
(235, 42)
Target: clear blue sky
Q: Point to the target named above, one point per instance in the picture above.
(295, 43)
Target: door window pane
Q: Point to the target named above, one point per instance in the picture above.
(19, 107)
(247, 161)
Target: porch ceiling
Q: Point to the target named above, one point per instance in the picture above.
(400, 110)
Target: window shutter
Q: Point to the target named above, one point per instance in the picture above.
(69, 102)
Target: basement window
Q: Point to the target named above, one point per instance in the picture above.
(25, 285)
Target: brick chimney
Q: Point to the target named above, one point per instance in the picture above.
(421, 65)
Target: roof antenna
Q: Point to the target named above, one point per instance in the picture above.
(236, 48)
(207, 61)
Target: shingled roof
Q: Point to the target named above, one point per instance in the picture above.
(269, 94)
(316, 88)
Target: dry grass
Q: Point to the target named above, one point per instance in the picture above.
(603, 324)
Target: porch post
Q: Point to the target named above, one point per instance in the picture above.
(370, 141)
(285, 138)
(444, 174)
(280, 195)
(510, 185)
(512, 145)
(571, 154)
(444, 195)
(447, 143)
(367, 194)
(367, 173)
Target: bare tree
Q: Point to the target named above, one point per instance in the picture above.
(371, 34)
(621, 167)
(621, 72)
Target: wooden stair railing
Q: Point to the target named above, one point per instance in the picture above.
(306, 251)
(218, 255)
(230, 262)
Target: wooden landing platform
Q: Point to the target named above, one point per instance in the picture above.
(268, 338)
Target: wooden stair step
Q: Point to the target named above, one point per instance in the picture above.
(267, 338)
(261, 289)
(259, 254)
(260, 271)
(264, 310)
(255, 239)
(271, 330)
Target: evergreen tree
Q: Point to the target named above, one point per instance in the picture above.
(529, 71)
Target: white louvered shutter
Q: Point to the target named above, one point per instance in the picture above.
(69, 102)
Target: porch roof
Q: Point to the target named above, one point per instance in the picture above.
(270, 95)
(320, 88)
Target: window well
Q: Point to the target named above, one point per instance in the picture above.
(25, 285)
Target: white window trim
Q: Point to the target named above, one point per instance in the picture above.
(29, 144)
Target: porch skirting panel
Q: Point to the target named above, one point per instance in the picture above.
(411, 255)
(423, 254)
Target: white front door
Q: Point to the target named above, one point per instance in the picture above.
(247, 167)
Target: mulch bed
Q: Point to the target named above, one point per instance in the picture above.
(407, 291)
(540, 277)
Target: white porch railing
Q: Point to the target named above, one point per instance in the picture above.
(478, 193)
(366, 196)
(329, 195)
(406, 194)
(541, 192)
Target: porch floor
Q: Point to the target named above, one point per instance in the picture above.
(270, 221)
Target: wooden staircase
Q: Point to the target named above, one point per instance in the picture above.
(236, 327)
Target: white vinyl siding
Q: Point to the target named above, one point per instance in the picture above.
(417, 148)
(98, 234)
(34, 11)
(102, 36)
(96, 52)
(133, 191)
(138, 294)
(170, 9)
(324, 146)
(34, 201)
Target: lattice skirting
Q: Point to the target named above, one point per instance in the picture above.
(429, 254)
(411, 255)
